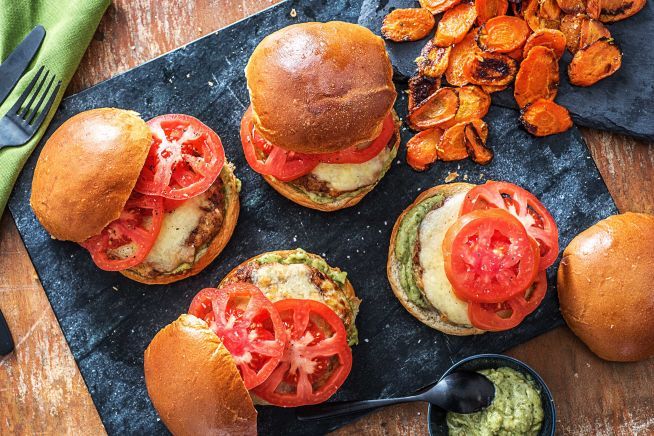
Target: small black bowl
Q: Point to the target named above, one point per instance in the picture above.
(436, 416)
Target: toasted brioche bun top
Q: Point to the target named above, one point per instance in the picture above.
(87, 171)
(606, 287)
(320, 87)
(194, 384)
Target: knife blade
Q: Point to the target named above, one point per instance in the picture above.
(16, 63)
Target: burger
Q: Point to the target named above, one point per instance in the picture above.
(276, 331)
(155, 201)
(465, 259)
(320, 128)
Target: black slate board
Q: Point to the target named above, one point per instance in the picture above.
(621, 103)
(109, 320)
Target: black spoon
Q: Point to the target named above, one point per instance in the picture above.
(460, 392)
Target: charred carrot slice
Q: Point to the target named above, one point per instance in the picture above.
(475, 133)
(542, 14)
(502, 34)
(420, 88)
(441, 106)
(409, 24)
(571, 28)
(438, 6)
(433, 60)
(461, 54)
(455, 24)
(595, 62)
(616, 10)
(474, 103)
(544, 117)
(421, 150)
(572, 6)
(550, 38)
(487, 9)
(590, 31)
(489, 89)
(538, 77)
(453, 143)
(515, 54)
(491, 69)
(594, 8)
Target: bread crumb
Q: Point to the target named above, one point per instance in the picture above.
(451, 176)
(293, 13)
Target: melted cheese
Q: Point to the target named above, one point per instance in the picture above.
(350, 177)
(170, 249)
(278, 281)
(437, 287)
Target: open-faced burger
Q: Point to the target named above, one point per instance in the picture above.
(155, 201)
(279, 326)
(465, 259)
(321, 127)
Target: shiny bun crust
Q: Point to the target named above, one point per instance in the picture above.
(429, 317)
(87, 170)
(320, 87)
(232, 206)
(194, 383)
(606, 287)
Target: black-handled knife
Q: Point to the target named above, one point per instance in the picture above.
(17, 62)
(6, 341)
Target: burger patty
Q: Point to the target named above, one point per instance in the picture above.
(314, 184)
(185, 233)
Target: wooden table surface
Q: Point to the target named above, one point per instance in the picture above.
(42, 391)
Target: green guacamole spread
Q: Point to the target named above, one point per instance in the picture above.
(516, 410)
(405, 242)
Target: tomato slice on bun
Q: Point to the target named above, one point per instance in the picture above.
(184, 160)
(247, 324)
(317, 359)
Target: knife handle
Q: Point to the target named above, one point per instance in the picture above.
(6, 341)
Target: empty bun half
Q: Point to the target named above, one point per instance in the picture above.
(87, 171)
(320, 87)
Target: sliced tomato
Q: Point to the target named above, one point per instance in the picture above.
(356, 155)
(317, 359)
(489, 257)
(267, 159)
(526, 207)
(247, 324)
(126, 242)
(508, 314)
(184, 160)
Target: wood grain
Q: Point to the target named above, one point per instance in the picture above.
(41, 390)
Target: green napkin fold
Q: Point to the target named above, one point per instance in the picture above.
(69, 25)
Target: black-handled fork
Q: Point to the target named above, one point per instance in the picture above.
(23, 120)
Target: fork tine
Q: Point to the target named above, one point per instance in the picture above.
(36, 108)
(46, 109)
(26, 108)
(25, 93)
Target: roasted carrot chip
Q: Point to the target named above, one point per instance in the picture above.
(476, 133)
(544, 117)
(438, 6)
(515, 54)
(594, 8)
(590, 31)
(502, 34)
(595, 62)
(572, 6)
(461, 54)
(421, 150)
(487, 9)
(538, 77)
(491, 69)
(542, 14)
(433, 60)
(453, 143)
(441, 106)
(474, 103)
(616, 10)
(454, 24)
(571, 28)
(420, 88)
(550, 38)
(489, 89)
(409, 24)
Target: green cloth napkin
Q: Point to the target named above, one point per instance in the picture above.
(69, 25)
